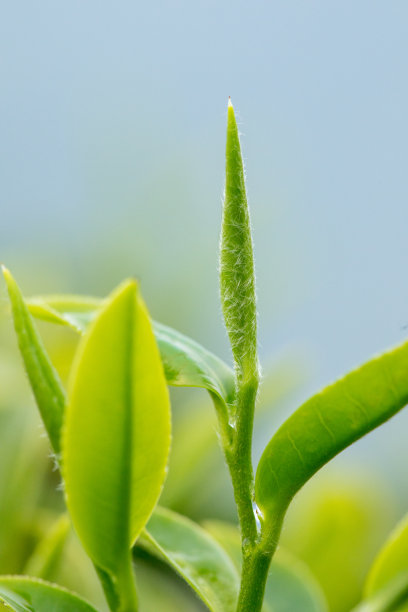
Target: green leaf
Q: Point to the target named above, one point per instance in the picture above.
(390, 564)
(44, 380)
(25, 594)
(186, 363)
(237, 277)
(290, 585)
(325, 425)
(195, 555)
(117, 430)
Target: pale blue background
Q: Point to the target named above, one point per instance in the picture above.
(111, 160)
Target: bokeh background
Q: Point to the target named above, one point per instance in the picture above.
(112, 161)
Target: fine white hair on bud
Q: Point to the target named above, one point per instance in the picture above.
(237, 275)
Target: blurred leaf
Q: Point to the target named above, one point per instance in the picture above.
(391, 598)
(24, 594)
(290, 585)
(42, 375)
(45, 560)
(195, 555)
(24, 481)
(326, 424)
(186, 363)
(391, 564)
(348, 515)
(117, 431)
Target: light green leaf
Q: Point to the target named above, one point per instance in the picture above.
(290, 585)
(44, 380)
(390, 564)
(325, 425)
(45, 560)
(237, 276)
(186, 363)
(25, 594)
(117, 430)
(195, 555)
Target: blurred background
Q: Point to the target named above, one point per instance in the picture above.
(113, 119)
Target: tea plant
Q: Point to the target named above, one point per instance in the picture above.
(110, 433)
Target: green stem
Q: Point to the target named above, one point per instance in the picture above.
(127, 588)
(254, 574)
(255, 568)
(239, 460)
(120, 592)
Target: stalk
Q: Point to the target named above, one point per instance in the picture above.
(254, 574)
(238, 299)
(239, 461)
(120, 592)
(255, 567)
(127, 588)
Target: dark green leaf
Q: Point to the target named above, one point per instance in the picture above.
(195, 555)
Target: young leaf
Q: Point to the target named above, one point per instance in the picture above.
(25, 594)
(117, 430)
(290, 584)
(237, 277)
(44, 380)
(186, 363)
(390, 563)
(195, 555)
(326, 424)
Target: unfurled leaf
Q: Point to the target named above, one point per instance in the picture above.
(326, 424)
(44, 380)
(290, 585)
(24, 594)
(186, 363)
(237, 277)
(195, 555)
(390, 568)
(117, 429)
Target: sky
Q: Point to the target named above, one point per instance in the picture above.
(113, 118)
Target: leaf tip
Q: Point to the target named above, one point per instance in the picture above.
(129, 287)
(10, 282)
(6, 272)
